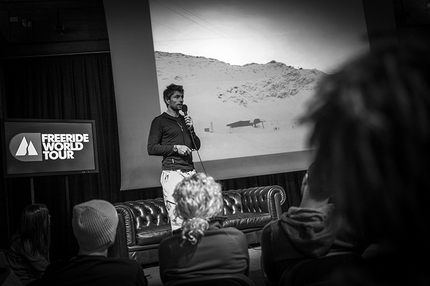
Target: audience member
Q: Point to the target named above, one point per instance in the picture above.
(370, 123)
(28, 253)
(314, 229)
(94, 226)
(203, 247)
(7, 276)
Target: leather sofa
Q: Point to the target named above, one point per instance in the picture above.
(146, 221)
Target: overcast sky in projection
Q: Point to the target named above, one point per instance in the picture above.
(301, 33)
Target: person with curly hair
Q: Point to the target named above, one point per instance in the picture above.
(28, 253)
(203, 247)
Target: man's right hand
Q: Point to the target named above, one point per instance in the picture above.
(183, 150)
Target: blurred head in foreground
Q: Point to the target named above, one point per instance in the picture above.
(371, 128)
(198, 199)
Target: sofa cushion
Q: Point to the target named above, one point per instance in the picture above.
(247, 220)
(152, 234)
(147, 221)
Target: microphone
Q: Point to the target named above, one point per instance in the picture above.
(185, 109)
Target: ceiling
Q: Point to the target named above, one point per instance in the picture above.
(57, 26)
(80, 25)
(412, 13)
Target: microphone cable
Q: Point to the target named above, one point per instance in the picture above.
(198, 153)
(185, 111)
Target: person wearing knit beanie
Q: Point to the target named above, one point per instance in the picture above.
(94, 225)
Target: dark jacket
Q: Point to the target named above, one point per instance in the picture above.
(303, 233)
(25, 265)
(220, 251)
(92, 271)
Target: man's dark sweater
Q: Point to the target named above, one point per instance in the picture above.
(167, 131)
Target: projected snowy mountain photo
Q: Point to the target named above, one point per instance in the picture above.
(241, 110)
(249, 67)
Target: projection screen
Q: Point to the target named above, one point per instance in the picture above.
(248, 68)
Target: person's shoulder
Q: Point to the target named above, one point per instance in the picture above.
(58, 263)
(14, 237)
(173, 239)
(14, 242)
(117, 262)
(234, 232)
(158, 117)
(268, 227)
(127, 263)
(55, 267)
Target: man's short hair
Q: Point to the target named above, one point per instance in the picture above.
(170, 89)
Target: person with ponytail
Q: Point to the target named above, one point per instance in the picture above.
(28, 253)
(202, 247)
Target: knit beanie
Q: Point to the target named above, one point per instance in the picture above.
(94, 224)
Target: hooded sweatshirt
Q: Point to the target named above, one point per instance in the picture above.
(303, 233)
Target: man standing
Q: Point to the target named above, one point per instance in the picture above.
(172, 136)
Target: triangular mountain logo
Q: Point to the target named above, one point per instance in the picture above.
(31, 150)
(26, 147)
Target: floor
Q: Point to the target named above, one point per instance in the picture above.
(153, 275)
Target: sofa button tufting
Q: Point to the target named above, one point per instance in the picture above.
(245, 209)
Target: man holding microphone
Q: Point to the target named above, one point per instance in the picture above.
(172, 136)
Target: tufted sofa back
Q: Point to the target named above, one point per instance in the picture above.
(147, 222)
(254, 200)
(151, 214)
(141, 214)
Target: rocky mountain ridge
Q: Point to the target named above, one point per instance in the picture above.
(239, 84)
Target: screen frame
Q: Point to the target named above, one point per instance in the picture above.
(5, 147)
(136, 83)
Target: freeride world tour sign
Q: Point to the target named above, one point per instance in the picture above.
(46, 147)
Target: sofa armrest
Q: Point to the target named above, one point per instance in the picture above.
(129, 225)
(259, 199)
(145, 214)
(119, 248)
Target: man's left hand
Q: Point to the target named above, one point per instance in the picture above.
(188, 121)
